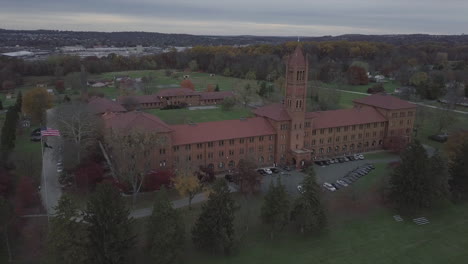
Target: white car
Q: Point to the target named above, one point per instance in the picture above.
(342, 183)
(59, 169)
(268, 171)
(329, 187)
(361, 157)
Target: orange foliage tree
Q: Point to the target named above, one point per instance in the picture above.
(357, 76)
(35, 102)
(187, 84)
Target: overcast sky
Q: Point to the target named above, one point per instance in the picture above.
(240, 17)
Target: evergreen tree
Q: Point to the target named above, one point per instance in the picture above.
(275, 208)
(308, 213)
(108, 226)
(459, 173)
(214, 228)
(19, 101)
(7, 140)
(165, 231)
(1, 105)
(217, 88)
(415, 184)
(67, 235)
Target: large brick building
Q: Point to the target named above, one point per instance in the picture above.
(280, 133)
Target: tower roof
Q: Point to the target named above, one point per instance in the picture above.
(297, 58)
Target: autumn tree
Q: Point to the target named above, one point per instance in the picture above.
(165, 231)
(187, 184)
(214, 229)
(132, 156)
(187, 84)
(357, 76)
(108, 227)
(35, 102)
(418, 181)
(308, 213)
(458, 169)
(250, 75)
(228, 103)
(245, 93)
(78, 125)
(67, 234)
(248, 179)
(275, 208)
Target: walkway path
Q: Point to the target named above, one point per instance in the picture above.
(417, 103)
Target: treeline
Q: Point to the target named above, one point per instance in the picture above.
(329, 62)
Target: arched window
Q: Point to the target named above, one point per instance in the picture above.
(373, 143)
(321, 150)
(231, 163)
(337, 148)
(221, 165)
(329, 149)
(345, 147)
(380, 142)
(351, 147)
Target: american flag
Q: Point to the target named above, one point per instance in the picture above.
(47, 132)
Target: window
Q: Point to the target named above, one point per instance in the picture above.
(162, 163)
(175, 148)
(338, 129)
(241, 140)
(271, 138)
(367, 134)
(330, 130)
(352, 137)
(306, 134)
(314, 132)
(221, 165)
(360, 136)
(260, 148)
(337, 148)
(241, 151)
(251, 139)
(375, 125)
(231, 152)
(408, 122)
(313, 142)
(294, 126)
(322, 131)
(329, 140)
(231, 142)
(382, 124)
(394, 114)
(410, 113)
(321, 150)
(374, 134)
(199, 145)
(307, 124)
(221, 143)
(221, 153)
(199, 156)
(210, 155)
(402, 114)
(162, 151)
(345, 128)
(368, 125)
(321, 141)
(329, 149)
(189, 158)
(361, 126)
(251, 150)
(270, 148)
(345, 138)
(187, 147)
(210, 144)
(354, 127)
(337, 139)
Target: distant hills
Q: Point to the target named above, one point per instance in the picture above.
(50, 39)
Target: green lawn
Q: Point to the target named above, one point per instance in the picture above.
(346, 99)
(183, 116)
(388, 86)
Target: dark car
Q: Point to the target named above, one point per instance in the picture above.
(36, 132)
(439, 138)
(286, 168)
(351, 158)
(229, 178)
(327, 162)
(319, 163)
(341, 160)
(347, 180)
(337, 186)
(262, 172)
(36, 138)
(274, 170)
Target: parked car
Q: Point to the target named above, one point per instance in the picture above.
(337, 186)
(347, 180)
(329, 187)
(361, 157)
(345, 159)
(351, 158)
(268, 171)
(331, 161)
(262, 172)
(59, 169)
(319, 163)
(327, 162)
(287, 168)
(342, 183)
(229, 178)
(274, 170)
(439, 138)
(35, 138)
(341, 160)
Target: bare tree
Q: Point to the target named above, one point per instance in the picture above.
(131, 153)
(77, 125)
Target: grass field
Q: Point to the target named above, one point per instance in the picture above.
(389, 86)
(346, 99)
(184, 116)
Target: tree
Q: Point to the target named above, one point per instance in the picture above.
(187, 84)
(108, 225)
(1, 105)
(35, 102)
(193, 65)
(458, 169)
(77, 125)
(67, 235)
(187, 184)
(228, 103)
(26, 195)
(275, 208)
(245, 94)
(250, 75)
(131, 156)
(357, 76)
(414, 184)
(19, 102)
(214, 229)
(5, 219)
(444, 119)
(248, 179)
(8, 137)
(308, 213)
(88, 174)
(60, 86)
(165, 231)
(217, 88)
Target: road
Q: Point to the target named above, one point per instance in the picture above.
(50, 187)
(417, 103)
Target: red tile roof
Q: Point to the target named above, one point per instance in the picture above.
(176, 92)
(100, 105)
(273, 111)
(142, 99)
(385, 101)
(215, 95)
(346, 117)
(135, 120)
(221, 130)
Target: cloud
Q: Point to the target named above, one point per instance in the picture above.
(258, 17)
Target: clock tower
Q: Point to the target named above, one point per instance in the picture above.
(295, 96)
